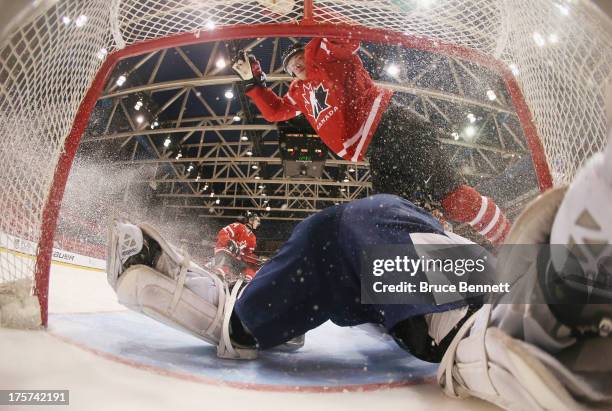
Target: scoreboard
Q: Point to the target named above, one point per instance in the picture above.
(303, 153)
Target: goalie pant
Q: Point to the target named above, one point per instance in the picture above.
(315, 276)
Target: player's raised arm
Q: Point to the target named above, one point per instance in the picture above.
(272, 107)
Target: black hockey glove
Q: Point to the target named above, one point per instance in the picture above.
(249, 70)
(234, 248)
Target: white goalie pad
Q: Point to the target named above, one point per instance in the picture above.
(126, 239)
(176, 291)
(147, 291)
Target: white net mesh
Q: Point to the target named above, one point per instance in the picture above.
(564, 62)
(559, 50)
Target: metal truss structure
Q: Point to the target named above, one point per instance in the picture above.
(182, 114)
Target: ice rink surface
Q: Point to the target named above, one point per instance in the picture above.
(111, 358)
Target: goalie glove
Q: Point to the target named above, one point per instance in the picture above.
(248, 68)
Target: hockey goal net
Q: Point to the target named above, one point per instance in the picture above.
(555, 57)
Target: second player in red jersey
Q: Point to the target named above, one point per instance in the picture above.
(235, 248)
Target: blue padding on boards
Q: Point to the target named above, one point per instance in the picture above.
(332, 356)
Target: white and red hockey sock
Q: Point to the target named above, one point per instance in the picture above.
(466, 205)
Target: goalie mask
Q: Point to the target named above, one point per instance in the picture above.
(584, 224)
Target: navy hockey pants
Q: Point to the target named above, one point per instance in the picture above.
(315, 275)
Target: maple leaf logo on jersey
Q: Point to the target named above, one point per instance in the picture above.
(316, 98)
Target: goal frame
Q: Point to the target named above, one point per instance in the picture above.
(307, 27)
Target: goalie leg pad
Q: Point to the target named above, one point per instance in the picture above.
(124, 241)
(145, 290)
(172, 289)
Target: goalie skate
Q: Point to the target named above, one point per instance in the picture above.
(292, 345)
(154, 278)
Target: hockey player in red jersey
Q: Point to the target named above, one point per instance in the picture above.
(235, 248)
(357, 119)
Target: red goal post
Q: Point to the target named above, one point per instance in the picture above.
(128, 28)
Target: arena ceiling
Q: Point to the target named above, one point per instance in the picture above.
(181, 117)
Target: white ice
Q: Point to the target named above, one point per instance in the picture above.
(40, 360)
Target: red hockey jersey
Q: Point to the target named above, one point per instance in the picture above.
(241, 234)
(246, 241)
(339, 98)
